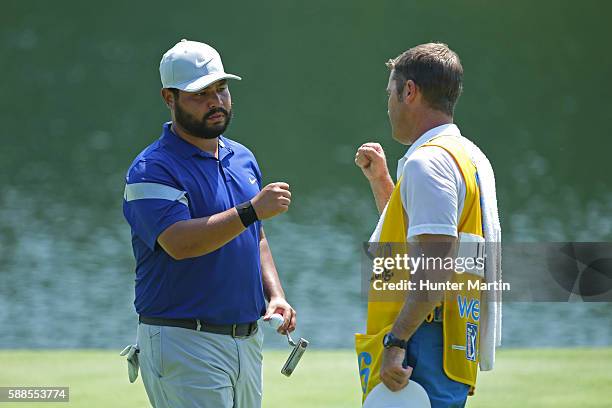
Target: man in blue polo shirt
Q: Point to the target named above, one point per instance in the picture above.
(194, 201)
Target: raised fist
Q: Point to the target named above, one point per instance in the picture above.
(370, 158)
(272, 200)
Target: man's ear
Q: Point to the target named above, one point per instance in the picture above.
(168, 97)
(409, 92)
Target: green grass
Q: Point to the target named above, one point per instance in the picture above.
(522, 378)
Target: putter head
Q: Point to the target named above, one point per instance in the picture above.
(294, 357)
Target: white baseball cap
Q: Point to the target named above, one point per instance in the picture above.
(191, 66)
(411, 396)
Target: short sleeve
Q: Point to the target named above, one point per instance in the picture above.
(433, 192)
(153, 201)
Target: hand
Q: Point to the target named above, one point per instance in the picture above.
(279, 305)
(272, 200)
(370, 157)
(392, 374)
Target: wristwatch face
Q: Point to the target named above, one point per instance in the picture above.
(391, 341)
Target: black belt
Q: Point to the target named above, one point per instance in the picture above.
(234, 330)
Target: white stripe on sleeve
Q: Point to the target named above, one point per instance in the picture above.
(145, 191)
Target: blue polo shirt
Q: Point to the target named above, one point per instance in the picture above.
(173, 180)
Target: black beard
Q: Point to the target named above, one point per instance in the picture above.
(199, 128)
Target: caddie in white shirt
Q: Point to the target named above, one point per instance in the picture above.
(436, 206)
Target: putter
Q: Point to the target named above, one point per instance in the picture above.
(298, 351)
(276, 320)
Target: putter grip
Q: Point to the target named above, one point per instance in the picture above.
(276, 321)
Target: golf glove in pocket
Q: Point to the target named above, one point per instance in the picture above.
(131, 352)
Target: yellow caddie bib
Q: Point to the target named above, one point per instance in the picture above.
(461, 308)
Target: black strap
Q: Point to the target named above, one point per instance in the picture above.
(247, 213)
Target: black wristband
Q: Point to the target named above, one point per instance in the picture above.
(247, 213)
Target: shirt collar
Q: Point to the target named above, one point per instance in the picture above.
(186, 149)
(449, 129)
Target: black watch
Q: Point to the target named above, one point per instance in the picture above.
(391, 341)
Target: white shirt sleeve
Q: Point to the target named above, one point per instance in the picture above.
(433, 192)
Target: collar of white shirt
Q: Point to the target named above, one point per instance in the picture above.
(448, 129)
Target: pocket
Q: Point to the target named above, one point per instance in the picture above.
(155, 344)
(256, 341)
(259, 335)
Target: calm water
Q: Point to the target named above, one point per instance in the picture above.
(81, 99)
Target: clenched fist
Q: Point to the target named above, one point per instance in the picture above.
(272, 200)
(370, 157)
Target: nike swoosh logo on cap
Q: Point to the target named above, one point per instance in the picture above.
(201, 64)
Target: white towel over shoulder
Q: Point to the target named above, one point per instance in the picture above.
(491, 306)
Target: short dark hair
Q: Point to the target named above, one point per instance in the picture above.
(435, 69)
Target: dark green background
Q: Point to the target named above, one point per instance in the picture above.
(81, 98)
